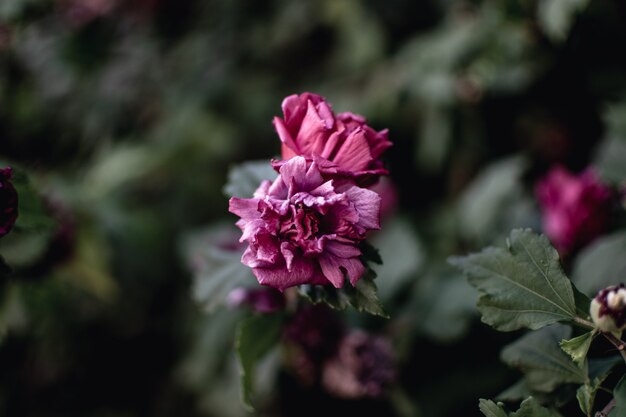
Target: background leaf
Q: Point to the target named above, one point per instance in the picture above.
(592, 269)
(245, 178)
(214, 257)
(491, 409)
(544, 364)
(256, 336)
(521, 286)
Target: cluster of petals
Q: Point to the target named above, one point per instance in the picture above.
(343, 145)
(575, 208)
(8, 201)
(304, 229)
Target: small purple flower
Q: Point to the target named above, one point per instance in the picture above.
(8, 201)
(261, 300)
(362, 367)
(608, 309)
(575, 208)
(349, 147)
(301, 229)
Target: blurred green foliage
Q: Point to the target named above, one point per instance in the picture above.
(125, 117)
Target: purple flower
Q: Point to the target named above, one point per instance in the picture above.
(362, 367)
(575, 208)
(8, 201)
(301, 229)
(348, 145)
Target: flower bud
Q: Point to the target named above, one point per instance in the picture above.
(608, 309)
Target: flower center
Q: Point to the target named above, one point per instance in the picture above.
(301, 224)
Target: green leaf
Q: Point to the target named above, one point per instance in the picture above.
(619, 394)
(544, 364)
(403, 253)
(586, 395)
(556, 17)
(442, 304)
(256, 336)
(528, 408)
(577, 347)
(531, 408)
(601, 263)
(491, 409)
(610, 160)
(362, 297)
(521, 286)
(214, 257)
(370, 253)
(245, 178)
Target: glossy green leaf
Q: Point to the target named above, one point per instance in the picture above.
(256, 336)
(522, 285)
(543, 363)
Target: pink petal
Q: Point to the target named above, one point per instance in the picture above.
(246, 208)
(302, 271)
(354, 154)
(334, 268)
(315, 129)
(367, 204)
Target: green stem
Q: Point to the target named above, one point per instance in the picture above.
(584, 323)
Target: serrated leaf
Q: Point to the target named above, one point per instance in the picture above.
(531, 408)
(362, 297)
(256, 336)
(578, 347)
(245, 178)
(619, 394)
(214, 257)
(491, 409)
(521, 286)
(543, 363)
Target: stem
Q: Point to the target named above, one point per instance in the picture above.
(618, 343)
(607, 409)
(584, 323)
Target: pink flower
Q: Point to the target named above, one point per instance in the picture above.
(351, 148)
(575, 208)
(362, 367)
(301, 229)
(8, 201)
